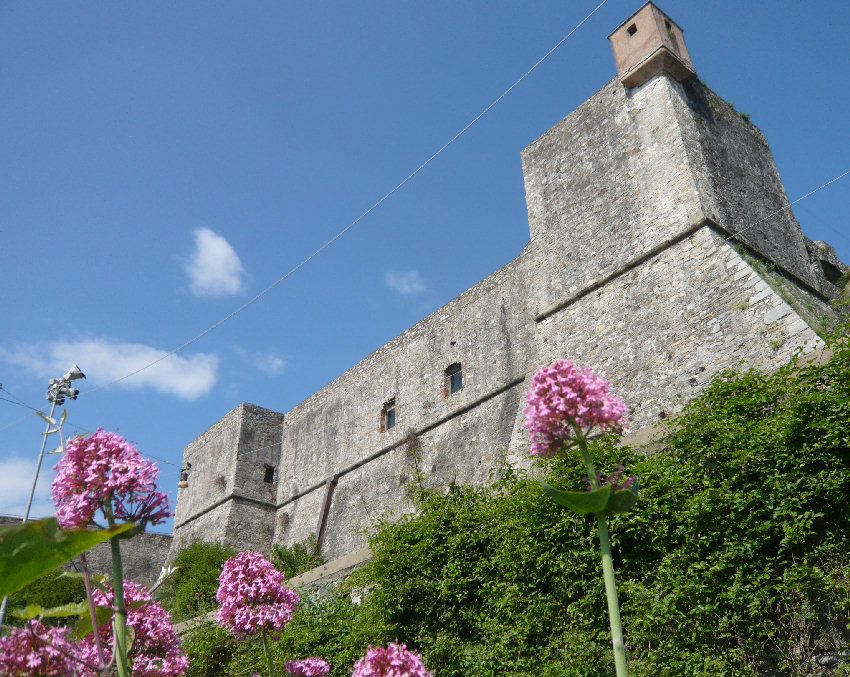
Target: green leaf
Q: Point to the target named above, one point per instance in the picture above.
(30, 550)
(36, 611)
(57, 450)
(622, 500)
(64, 416)
(49, 419)
(97, 580)
(84, 626)
(582, 502)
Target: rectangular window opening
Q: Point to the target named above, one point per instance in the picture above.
(388, 415)
(632, 29)
(268, 478)
(454, 378)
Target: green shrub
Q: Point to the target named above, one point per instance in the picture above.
(51, 590)
(297, 558)
(191, 589)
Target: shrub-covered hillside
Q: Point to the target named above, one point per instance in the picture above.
(736, 560)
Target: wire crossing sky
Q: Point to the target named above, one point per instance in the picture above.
(164, 163)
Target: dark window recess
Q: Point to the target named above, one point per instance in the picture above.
(452, 379)
(632, 29)
(268, 478)
(388, 412)
(832, 273)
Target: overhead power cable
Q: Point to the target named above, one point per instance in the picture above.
(787, 207)
(351, 225)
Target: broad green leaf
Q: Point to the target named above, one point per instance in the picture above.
(84, 626)
(582, 502)
(622, 500)
(64, 416)
(30, 550)
(57, 450)
(50, 431)
(35, 611)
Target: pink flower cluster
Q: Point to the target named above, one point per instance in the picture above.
(307, 667)
(32, 650)
(613, 480)
(395, 660)
(562, 396)
(155, 651)
(252, 595)
(103, 469)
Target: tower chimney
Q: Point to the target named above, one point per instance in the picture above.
(649, 43)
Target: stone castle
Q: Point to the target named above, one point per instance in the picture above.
(663, 249)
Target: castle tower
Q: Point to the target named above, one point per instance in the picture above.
(661, 232)
(231, 475)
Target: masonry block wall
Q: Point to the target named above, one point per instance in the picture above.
(663, 250)
(233, 470)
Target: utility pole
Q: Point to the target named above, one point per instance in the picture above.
(57, 390)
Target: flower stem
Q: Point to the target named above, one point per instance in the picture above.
(607, 567)
(98, 643)
(268, 651)
(611, 596)
(119, 620)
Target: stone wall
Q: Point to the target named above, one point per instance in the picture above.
(232, 481)
(461, 436)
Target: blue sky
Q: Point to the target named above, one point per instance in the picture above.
(164, 162)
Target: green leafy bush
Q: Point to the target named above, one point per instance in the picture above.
(191, 589)
(52, 590)
(297, 558)
(734, 562)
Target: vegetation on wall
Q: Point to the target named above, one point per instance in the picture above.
(191, 589)
(735, 561)
(297, 558)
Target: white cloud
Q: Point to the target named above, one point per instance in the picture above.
(187, 377)
(16, 482)
(270, 362)
(214, 268)
(406, 283)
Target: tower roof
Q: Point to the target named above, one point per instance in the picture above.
(647, 43)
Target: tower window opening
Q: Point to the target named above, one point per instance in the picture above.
(268, 478)
(388, 415)
(632, 29)
(452, 379)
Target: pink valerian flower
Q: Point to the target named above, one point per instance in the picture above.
(34, 650)
(395, 660)
(613, 480)
(252, 596)
(103, 469)
(307, 667)
(562, 396)
(155, 651)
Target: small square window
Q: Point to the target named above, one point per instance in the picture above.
(268, 478)
(388, 415)
(453, 379)
(632, 30)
